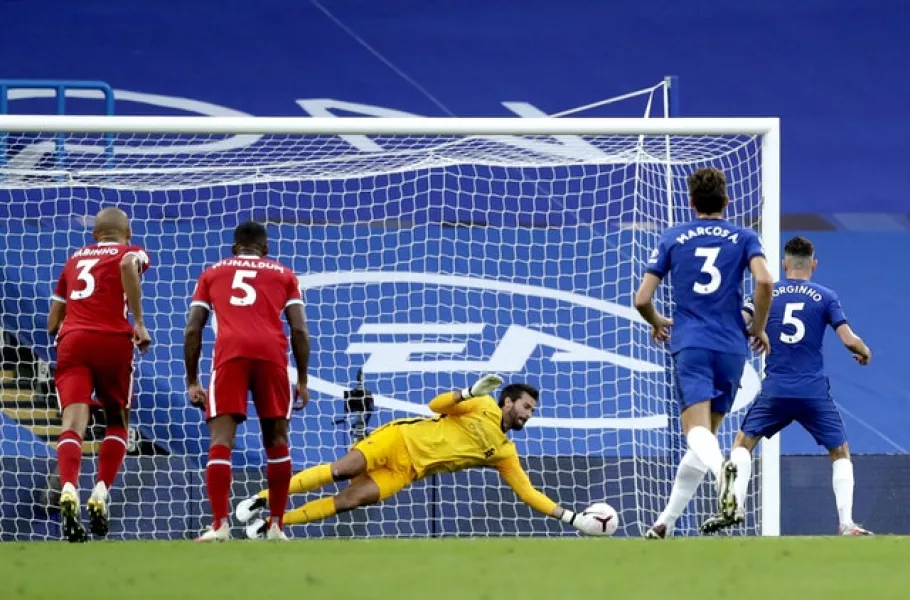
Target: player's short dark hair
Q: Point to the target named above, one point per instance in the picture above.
(708, 190)
(513, 392)
(250, 233)
(799, 247)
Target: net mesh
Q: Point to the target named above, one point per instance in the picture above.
(424, 263)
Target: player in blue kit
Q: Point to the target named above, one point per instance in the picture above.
(707, 258)
(795, 387)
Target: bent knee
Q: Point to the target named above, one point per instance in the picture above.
(841, 452)
(76, 417)
(355, 496)
(744, 441)
(349, 466)
(222, 431)
(717, 419)
(696, 415)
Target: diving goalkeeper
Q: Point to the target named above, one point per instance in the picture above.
(469, 431)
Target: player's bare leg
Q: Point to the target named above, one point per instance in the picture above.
(349, 466)
(69, 456)
(689, 476)
(842, 482)
(362, 491)
(278, 472)
(222, 430)
(110, 459)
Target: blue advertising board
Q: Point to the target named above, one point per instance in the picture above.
(833, 70)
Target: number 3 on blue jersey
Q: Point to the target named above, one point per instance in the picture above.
(708, 267)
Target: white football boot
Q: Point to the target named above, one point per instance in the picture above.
(854, 529)
(222, 534)
(658, 531)
(275, 534)
(70, 515)
(98, 511)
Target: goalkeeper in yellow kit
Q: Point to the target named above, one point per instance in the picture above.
(469, 431)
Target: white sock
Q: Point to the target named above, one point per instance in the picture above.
(742, 458)
(688, 478)
(100, 491)
(842, 482)
(703, 444)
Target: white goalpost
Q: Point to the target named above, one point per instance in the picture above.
(457, 246)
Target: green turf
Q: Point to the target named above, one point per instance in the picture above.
(523, 569)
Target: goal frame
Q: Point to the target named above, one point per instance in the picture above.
(766, 127)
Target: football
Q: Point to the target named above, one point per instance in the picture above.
(605, 518)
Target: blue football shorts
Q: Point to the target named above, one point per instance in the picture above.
(818, 416)
(707, 376)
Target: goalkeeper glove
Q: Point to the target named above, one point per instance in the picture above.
(483, 387)
(580, 521)
(568, 516)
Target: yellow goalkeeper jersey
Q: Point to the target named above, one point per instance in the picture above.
(467, 434)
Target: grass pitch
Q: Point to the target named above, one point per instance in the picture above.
(463, 569)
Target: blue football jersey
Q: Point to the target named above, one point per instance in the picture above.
(707, 259)
(801, 312)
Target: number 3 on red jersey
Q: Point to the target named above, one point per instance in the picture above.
(84, 274)
(90, 285)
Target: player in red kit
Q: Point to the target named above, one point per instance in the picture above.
(95, 342)
(247, 293)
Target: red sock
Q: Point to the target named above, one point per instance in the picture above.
(69, 455)
(111, 454)
(278, 474)
(218, 482)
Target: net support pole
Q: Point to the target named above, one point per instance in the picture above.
(671, 85)
(770, 448)
(59, 89)
(4, 109)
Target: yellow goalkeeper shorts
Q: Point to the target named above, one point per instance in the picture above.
(388, 462)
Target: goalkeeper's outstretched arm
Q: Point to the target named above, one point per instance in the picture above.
(456, 402)
(511, 472)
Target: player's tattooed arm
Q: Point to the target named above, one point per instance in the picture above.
(660, 325)
(761, 302)
(855, 344)
(56, 316)
(300, 346)
(132, 288)
(192, 350)
(748, 310)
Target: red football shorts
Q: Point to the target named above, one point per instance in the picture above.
(267, 381)
(90, 361)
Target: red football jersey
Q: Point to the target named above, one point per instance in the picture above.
(248, 295)
(91, 288)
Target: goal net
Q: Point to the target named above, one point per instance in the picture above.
(453, 248)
